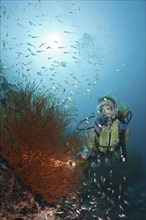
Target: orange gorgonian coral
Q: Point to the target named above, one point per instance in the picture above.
(33, 140)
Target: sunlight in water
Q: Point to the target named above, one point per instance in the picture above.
(52, 42)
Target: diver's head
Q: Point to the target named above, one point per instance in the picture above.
(107, 107)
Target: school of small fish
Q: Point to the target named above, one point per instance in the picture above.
(49, 58)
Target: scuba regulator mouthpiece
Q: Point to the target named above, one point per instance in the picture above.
(108, 121)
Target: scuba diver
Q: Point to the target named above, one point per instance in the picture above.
(108, 135)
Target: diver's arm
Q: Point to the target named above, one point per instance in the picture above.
(91, 140)
(122, 139)
(122, 144)
(88, 148)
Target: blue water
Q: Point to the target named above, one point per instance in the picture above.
(87, 47)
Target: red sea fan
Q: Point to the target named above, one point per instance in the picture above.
(33, 140)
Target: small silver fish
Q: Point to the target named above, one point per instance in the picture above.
(120, 188)
(124, 64)
(112, 202)
(111, 174)
(126, 202)
(118, 70)
(122, 216)
(40, 51)
(33, 36)
(59, 213)
(31, 23)
(84, 208)
(119, 197)
(61, 47)
(107, 212)
(121, 207)
(4, 67)
(49, 47)
(124, 178)
(67, 32)
(88, 90)
(31, 44)
(78, 212)
(103, 194)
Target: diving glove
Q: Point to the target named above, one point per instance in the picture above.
(85, 152)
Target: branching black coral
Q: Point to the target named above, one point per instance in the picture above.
(33, 141)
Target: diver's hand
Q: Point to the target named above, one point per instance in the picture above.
(85, 152)
(84, 155)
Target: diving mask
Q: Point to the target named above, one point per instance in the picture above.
(107, 108)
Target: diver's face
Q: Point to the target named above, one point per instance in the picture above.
(107, 111)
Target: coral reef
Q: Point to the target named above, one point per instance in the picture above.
(33, 140)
